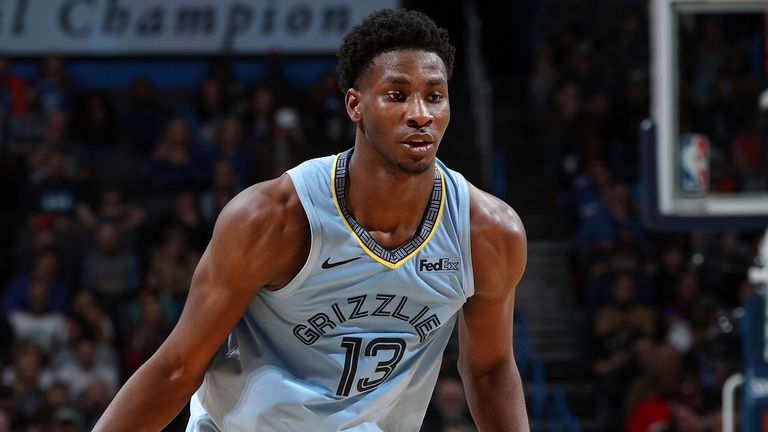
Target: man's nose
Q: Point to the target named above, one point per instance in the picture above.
(418, 114)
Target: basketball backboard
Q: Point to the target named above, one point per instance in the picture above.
(705, 150)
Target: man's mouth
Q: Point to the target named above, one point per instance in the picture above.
(417, 143)
(418, 140)
(418, 148)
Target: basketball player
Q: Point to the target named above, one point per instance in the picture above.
(326, 296)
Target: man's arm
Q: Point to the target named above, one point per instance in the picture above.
(486, 361)
(260, 240)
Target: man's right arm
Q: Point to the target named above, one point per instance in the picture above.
(260, 240)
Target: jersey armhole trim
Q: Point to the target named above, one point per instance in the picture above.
(315, 234)
(466, 239)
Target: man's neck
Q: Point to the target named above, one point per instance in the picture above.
(390, 204)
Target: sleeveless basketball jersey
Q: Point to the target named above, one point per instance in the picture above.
(354, 342)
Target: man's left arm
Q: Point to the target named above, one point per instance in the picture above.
(486, 360)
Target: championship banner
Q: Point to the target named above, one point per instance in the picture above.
(118, 27)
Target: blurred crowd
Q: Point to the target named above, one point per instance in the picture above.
(663, 307)
(109, 198)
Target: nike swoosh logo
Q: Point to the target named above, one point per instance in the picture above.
(327, 264)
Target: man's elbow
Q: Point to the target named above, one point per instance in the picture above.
(178, 373)
(472, 372)
(186, 379)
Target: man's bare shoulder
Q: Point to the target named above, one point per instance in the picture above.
(494, 220)
(499, 245)
(265, 204)
(265, 224)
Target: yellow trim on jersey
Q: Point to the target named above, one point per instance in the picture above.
(360, 241)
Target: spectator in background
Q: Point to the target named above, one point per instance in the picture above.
(287, 146)
(13, 100)
(35, 322)
(632, 107)
(9, 404)
(672, 262)
(13, 105)
(220, 70)
(210, 107)
(94, 121)
(284, 89)
(591, 187)
(186, 215)
(95, 325)
(724, 267)
(27, 129)
(56, 396)
(28, 379)
(95, 400)
(86, 321)
(152, 286)
(230, 146)
(113, 207)
(144, 117)
(448, 410)
(685, 418)
(225, 184)
(40, 234)
(46, 269)
(174, 262)
(56, 87)
(56, 139)
(680, 307)
(66, 419)
(260, 118)
(617, 327)
(147, 333)
(174, 166)
(659, 377)
(325, 117)
(111, 272)
(86, 370)
(56, 194)
(5, 422)
(583, 70)
(709, 59)
(713, 355)
(567, 130)
(616, 222)
(622, 261)
(542, 81)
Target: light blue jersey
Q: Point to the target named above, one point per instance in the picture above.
(354, 342)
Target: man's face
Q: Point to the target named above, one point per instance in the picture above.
(401, 108)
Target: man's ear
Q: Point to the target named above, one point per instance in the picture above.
(353, 99)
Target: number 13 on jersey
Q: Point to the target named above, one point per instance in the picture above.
(353, 346)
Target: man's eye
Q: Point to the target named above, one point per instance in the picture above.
(434, 98)
(395, 96)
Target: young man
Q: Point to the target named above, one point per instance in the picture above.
(339, 283)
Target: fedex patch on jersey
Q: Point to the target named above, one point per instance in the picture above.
(439, 265)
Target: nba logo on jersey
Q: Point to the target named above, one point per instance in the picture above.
(694, 163)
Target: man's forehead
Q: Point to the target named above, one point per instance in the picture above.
(398, 66)
(400, 59)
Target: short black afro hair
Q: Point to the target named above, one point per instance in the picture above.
(390, 30)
